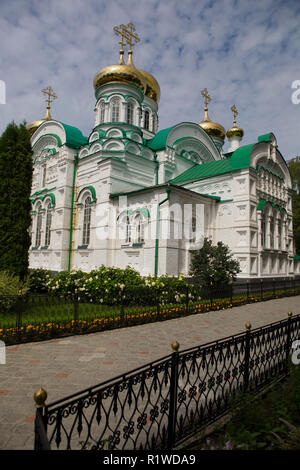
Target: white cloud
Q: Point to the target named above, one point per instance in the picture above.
(245, 53)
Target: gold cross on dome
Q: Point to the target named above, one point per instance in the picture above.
(50, 94)
(131, 35)
(235, 113)
(128, 35)
(120, 31)
(206, 96)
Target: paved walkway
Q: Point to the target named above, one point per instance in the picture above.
(67, 365)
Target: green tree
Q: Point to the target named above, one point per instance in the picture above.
(15, 206)
(213, 265)
(294, 167)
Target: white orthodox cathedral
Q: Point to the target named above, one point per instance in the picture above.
(150, 179)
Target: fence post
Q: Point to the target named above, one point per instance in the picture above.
(273, 288)
(288, 341)
(157, 302)
(247, 356)
(261, 289)
(187, 291)
(19, 311)
(122, 305)
(173, 395)
(248, 290)
(231, 290)
(76, 306)
(40, 426)
(211, 294)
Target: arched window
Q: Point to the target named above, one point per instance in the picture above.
(139, 229)
(272, 227)
(129, 116)
(86, 221)
(115, 110)
(279, 234)
(48, 224)
(128, 230)
(38, 229)
(147, 120)
(263, 230)
(154, 123)
(102, 112)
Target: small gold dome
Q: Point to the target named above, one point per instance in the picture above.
(235, 131)
(32, 127)
(212, 128)
(121, 73)
(152, 89)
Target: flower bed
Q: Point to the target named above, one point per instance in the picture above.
(38, 331)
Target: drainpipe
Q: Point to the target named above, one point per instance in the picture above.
(168, 190)
(71, 215)
(157, 167)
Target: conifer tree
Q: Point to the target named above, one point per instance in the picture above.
(15, 206)
(294, 167)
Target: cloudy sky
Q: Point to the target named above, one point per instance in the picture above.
(244, 52)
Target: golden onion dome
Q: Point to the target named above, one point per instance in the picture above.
(121, 73)
(235, 132)
(152, 89)
(32, 127)
(213, 129)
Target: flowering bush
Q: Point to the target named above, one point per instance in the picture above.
(111, 285)
(38, 280)
(107, 285)
(65, 282)
(171, 289)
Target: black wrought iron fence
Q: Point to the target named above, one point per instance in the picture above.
(43, 316)
(161, 404)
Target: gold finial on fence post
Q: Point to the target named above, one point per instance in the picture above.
(175, 346)
(290, 314)
(40, 398)
(248, 326)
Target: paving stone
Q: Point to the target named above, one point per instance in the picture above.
(71, 364)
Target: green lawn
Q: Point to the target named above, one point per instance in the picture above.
(59, 310)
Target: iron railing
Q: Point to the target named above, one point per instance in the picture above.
(161, 404)
(29, 317)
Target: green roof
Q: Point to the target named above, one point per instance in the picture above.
(264, 138)
(237, 160)
(159, 140)
(206, 170)
(261, 204)
(74, 137)
(241, 157)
